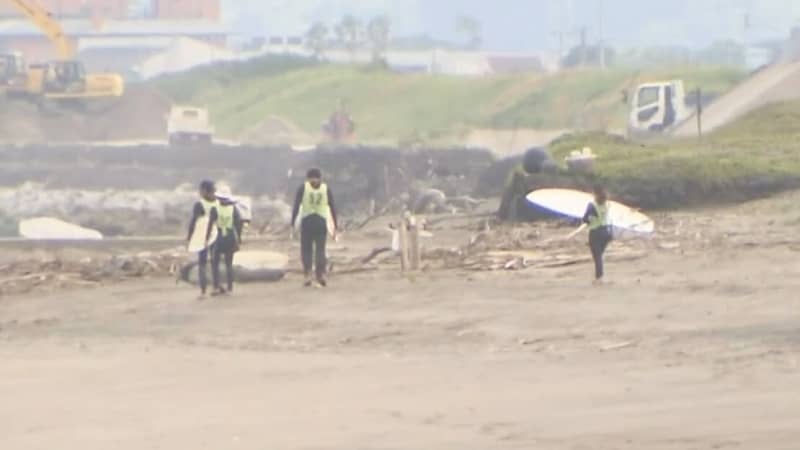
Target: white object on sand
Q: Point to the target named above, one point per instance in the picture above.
(260, 260)
(198, 242)
(48, 228)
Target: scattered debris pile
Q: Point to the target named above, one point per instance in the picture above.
(530, 246)
(51, 273)
(540, 245)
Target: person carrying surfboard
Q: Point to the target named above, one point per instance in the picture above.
(314, 201)
(206, 207)
(229, 232)
(596, 219)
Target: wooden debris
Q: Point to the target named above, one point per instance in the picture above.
(616, 346)
(374, 254)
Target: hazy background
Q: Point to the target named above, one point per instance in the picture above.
(519, 25)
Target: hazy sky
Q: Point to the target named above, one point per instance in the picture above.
(532, 24)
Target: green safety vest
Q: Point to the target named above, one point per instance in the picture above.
(601, 219)
(315, 201)
(225, 215)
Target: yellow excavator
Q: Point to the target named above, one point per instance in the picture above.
(63, 80)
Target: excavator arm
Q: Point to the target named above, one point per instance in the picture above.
(43, 20)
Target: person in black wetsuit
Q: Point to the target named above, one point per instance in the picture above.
(206, 206)
(229, 228)
(596, 219)
(315, 200)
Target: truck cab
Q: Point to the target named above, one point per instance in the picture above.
(189, 125)
(13, 73)
(657, 107)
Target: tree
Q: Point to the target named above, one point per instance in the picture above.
(348, 32)
(316, 38)
(472, 31)
(378, 32)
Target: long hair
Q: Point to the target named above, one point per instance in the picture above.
(600, 195)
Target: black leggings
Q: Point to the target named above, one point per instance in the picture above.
(223, 251)
(598, 242)
(202, 266)
(313, 238)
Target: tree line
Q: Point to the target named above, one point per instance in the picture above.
(351, 34)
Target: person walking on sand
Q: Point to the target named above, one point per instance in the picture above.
(314, 201)
(205, 207)
(229, 229)
(596, 219)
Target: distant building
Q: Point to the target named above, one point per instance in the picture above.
(187, 9)
(108, 9)
(507, 63)
(120, 9)
(113, 35)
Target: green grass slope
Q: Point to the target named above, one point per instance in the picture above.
(754, 156)
(391, 107)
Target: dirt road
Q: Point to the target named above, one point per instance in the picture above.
(773, 84)
(690, 348)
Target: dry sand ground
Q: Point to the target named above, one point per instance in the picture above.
(693, 347)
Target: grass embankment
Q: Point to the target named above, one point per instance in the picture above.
(755, 156)
(390, 107)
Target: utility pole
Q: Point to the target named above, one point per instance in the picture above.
(560, 36)
(584, 45)
(600, 44)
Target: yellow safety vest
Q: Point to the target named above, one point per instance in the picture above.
(225, 214)
(315, 201)
(208, 206)
(601, 219)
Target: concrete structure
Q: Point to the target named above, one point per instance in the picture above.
(181, 55)
(776, 83)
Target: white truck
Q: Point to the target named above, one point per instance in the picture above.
(658, 107)
(187, 125)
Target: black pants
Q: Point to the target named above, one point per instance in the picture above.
(313, 237)
(598, 242)
(224, 249)
(202, 267)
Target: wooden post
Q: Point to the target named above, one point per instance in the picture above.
(403, 233)
(414, 244)
(386, 184)
(699, 106)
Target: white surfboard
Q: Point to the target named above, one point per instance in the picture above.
(331, 227)
(572, 204)
(48, 228)
(198, 241)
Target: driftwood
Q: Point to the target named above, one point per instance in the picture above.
(518, 260)
(391, 204)
(41, 276)
(374, 254)
(355, 270)
(188, 274)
